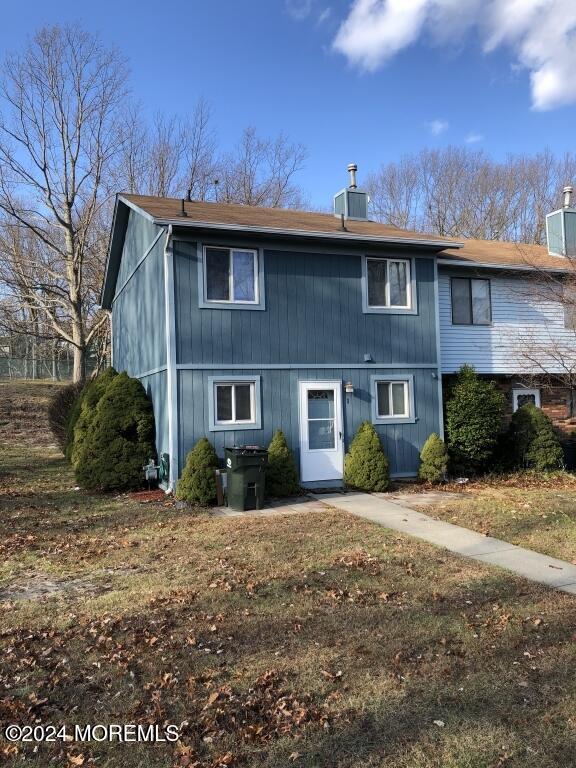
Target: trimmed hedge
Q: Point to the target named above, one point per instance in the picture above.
(473, 421)
(197, 484)
(84, 412)
(434, 460)
(60, 411)
(119, 439)
(532, 441)
(366, 465)
(281, 473)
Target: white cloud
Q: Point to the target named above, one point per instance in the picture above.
(474, 138)
(540, 33)
(298, 9)
(324, 15)
(438, 126)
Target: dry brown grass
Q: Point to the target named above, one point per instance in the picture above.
(310, 640)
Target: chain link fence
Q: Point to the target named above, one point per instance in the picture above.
(25, 368)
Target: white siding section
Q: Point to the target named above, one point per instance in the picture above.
(527, 332)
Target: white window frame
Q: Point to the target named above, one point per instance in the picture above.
(255, 421)
(409, 415)
(524, 391)
(231, 303)
(410, 306)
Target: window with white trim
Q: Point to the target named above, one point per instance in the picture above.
(392, 399)
(388, 283)
(523, 396)
(234, 402)
(231, 275)
(471, 301)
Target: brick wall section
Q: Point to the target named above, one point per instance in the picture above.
(553, 401)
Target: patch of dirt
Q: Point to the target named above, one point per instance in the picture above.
(145, 497)
(23, 413)
(39, 586)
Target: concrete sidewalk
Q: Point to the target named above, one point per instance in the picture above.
(524, 562)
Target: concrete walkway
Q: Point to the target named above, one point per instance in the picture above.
(524, 562)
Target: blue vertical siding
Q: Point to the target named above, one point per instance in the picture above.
(402, 442)
(313, 314)
(139, 317)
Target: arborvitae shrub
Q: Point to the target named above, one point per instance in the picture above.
(281, 473)
(433, 460)
(533, 441)
(119, 440)
(366, 464)
(197, 483)
(473, 421)
(60, 410)
(84, 411)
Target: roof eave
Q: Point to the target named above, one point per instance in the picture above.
(492, 265)
(345, 236)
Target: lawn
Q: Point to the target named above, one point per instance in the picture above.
(531, 510)
(314, 640)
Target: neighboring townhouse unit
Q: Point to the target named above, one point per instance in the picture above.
(241, 320)
(503, 309)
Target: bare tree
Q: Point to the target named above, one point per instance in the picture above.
(261, 172)
(59, 135)
(463, 193)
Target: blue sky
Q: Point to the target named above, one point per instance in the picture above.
(395, 85)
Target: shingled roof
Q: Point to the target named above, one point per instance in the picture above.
(164, 210)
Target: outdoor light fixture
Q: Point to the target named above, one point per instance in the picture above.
(349, 388)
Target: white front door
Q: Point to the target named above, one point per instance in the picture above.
(321, 434)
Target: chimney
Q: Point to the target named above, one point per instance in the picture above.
(352, 168)
(561, 227)
(351, 203)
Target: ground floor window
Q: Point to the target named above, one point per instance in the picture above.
(392, 399)
(234, 403)
(523, 396)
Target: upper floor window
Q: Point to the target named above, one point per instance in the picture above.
(231, 276)
(470, 301)
(388, 284)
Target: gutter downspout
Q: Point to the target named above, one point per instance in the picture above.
(171, 374)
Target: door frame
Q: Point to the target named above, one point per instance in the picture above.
(303, 387)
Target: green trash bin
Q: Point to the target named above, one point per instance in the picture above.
(246, 474)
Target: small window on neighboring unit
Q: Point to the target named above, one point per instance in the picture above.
(392, 399)
(388, 285)
(231, 275)
(234, 403)
(523, 396)
(470, 301)
(569, 305)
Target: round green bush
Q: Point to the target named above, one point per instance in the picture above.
(62, 406)
(119, 440)
(197, 484)
(473, 421)
(84, 412)
(433, 460)
(532, 440)
(366, 465)
(281, 472)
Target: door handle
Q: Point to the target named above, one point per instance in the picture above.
(340, 435)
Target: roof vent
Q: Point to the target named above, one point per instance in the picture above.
(561, 227)
(351, 203)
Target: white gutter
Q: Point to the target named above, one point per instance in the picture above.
(171, 374)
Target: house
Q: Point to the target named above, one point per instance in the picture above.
(242, 320)
(503, 309)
